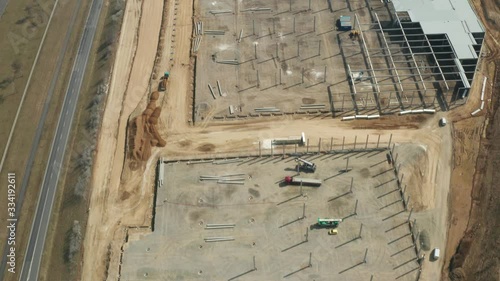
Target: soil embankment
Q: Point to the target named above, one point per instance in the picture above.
(477, 257)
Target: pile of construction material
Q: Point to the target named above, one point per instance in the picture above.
(416, 111)
(482, 98)
(209, 226)
(257, 9)
(219, 90)
(198, 31)
(214, 32)
(232, 62)
(312, 106)
(212, 226)
(225, 179)
(216, 12)
(219, 239)
(267, 109)
(373, 116)
(143, 131)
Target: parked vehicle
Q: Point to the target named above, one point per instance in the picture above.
(305, 165)
(329, 222)
(163, 81)
(303, 181)
(333, 231)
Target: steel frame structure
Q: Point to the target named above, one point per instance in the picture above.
(402, 63)
(405, 40)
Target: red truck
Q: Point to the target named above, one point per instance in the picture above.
(303, 181)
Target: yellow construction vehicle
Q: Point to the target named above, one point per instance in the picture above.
(354, 34)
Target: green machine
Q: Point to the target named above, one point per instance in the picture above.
(329, 222)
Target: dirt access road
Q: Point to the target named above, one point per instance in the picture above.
(135, 58)
(121, 198)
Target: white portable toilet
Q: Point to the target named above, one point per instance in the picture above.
(435, 254)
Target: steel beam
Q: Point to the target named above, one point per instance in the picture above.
(405, 47)
(408, 61)
(389, 92)
(426, 53)
(390, 54)
(352, 78)
(390, 84)
(411, 53)
(367, 52)
(419, 54)
(452, 59)
(413, 35)
(413, 83)
(437, 63)
(412, 75)
(383, 69)
(415, 40)
(394, 29)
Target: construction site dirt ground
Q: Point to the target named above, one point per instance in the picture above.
(130, 79)
(135, 206)
(122, 200)
(271, 226)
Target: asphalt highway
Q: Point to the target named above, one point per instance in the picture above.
(34, 250)
(41, 123)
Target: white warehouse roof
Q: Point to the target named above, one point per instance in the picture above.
(456, 18)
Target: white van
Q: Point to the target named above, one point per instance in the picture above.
(435, 254)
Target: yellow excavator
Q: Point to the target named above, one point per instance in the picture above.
(354, 35)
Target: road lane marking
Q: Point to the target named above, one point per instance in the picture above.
(26, 87)
(49, 187)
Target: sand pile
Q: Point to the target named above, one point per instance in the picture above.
(144, 133)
